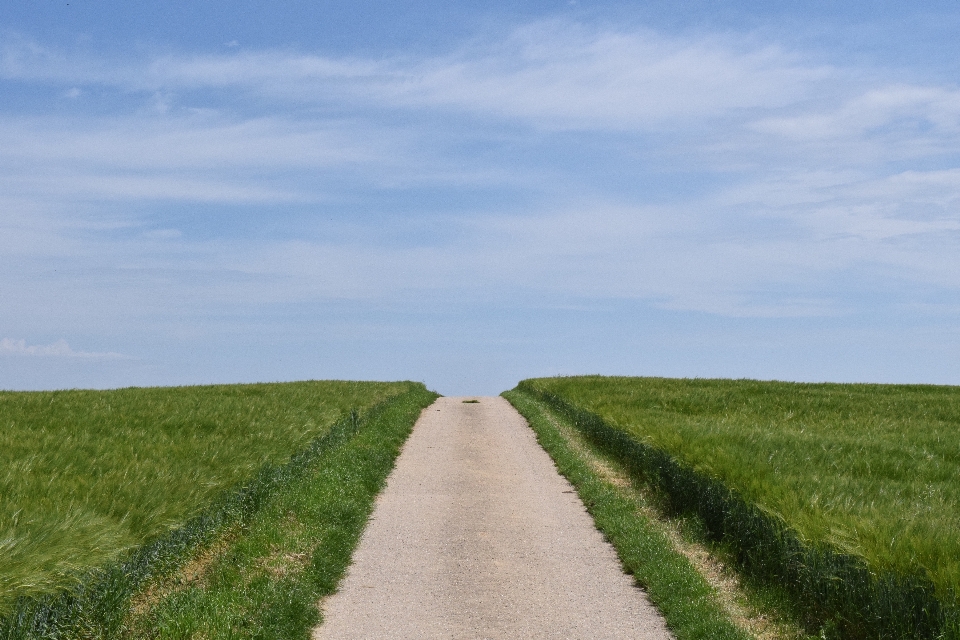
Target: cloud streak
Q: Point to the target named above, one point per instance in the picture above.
(552, 73)
(58, 349)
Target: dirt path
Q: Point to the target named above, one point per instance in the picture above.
(478, 536)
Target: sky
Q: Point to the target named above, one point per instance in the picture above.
(472, 193)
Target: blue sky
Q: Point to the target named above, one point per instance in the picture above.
(472, 193)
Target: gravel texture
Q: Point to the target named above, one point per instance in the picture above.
(477, 536)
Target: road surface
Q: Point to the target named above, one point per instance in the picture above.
(477, 536)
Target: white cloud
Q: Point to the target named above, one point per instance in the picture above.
(553, 74)
(907, 107)
(203, 142)
(199, 158)
(156, 186)
(560, 75)
(815, 172)
(855, 204)
(60, 349)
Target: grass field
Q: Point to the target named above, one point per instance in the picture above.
(689, 604)
(869, 471)
(87, 475)
(264, 580)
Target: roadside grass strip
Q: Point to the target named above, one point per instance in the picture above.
(267, 580)
(122, 598)
(687, 601)
(708, 445)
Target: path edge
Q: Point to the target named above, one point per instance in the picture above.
(686, 600)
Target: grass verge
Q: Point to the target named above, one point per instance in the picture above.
(685, 598)
(124, 598)
(708, 447)
(86, 476)
(265, 582)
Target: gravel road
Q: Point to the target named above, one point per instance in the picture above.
(477, 536)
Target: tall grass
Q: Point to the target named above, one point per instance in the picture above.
(688, 603)
(849, 494)
(266, 581)
(85, 476)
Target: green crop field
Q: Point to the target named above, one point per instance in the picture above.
(87, 475)
(868, 471)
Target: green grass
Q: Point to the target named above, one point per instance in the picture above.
(86, 476)
(266, 579)
(689, 604)
(857, 482)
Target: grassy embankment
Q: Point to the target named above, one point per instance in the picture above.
(847, 497)
(106, 494)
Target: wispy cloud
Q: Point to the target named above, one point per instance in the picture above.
(550, 74)
(58, 349)
(557, 74)
(200, 158)
(808, 171)
(926, 112)
(553, 73)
